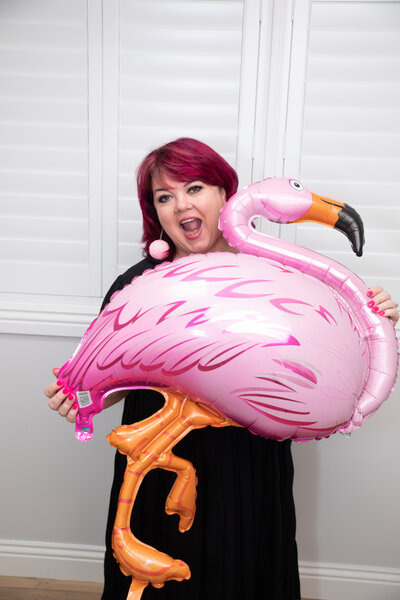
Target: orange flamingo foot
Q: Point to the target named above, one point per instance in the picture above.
(148, 445)
(145, 563)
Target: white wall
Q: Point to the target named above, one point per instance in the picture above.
(55, 491)
(347, 494)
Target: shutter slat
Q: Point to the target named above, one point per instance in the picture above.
(45, 111)
(357, 95)
(43, 229)
(351, 119)
(178, 90)
(27, 134)
(366, 69)
(55, 252)
(182, 15)
(201, 68)
(25, 275)
(355, 17)
(41, 87)
(46, 160)
(42, 206)
(44, 182)
(43, 11)
(350, 168)
(366, 145)
(25, 35)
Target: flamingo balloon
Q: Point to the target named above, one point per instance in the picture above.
(278, 339)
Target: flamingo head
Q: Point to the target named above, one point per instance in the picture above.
(288, 201)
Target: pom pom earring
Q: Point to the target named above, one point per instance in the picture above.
(159, 249)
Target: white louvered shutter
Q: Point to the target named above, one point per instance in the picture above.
(44, 243)
(180, 66)
(88, 87)
(350, 137)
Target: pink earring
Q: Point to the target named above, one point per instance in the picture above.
(159, 249)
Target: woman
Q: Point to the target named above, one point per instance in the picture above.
(242, 542)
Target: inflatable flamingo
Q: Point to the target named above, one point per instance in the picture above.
(278, 339)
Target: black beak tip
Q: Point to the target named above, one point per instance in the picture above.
(350, 223)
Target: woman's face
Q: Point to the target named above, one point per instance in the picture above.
(188, 213)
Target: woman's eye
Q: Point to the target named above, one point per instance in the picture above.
(195, 188)
(163, 198)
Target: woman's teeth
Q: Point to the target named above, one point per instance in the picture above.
(191, 225)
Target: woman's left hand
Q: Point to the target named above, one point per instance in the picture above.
(382, 303)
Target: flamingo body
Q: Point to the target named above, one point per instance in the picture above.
(280, 354)
(281, 343)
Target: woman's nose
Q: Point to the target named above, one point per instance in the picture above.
(183, 202)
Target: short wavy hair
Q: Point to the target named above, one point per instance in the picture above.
(184, 160)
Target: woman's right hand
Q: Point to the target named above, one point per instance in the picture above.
(64, 403)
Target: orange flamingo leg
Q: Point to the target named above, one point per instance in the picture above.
(182, 497)
(148, 445)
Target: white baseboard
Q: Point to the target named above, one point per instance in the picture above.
(348, 582)
(85, 563)
(51, 561)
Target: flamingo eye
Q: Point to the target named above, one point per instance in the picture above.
(296, 185)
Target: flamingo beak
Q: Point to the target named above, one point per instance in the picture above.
(339, 215)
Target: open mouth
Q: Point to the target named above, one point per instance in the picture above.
(191, 227)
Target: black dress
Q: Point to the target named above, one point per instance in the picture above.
(242, 542)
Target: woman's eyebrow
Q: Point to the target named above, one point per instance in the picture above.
(169, 189)
(166, 189)
(190, 182)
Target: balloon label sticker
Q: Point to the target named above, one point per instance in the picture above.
(84, 399)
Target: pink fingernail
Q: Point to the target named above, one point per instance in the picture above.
(71, 397)
(382, 312)
(375, 309)
(75, 406)
(371, 304)
(370, 293)
(66, 390)
(59, 382)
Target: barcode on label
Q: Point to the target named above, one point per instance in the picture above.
(84, 399)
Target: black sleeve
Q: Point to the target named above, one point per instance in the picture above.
(117, 285)
(127, 277)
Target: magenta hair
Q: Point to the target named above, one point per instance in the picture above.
(184, 159)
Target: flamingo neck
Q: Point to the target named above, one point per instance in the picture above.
(243, 237)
